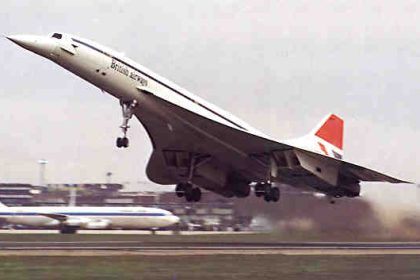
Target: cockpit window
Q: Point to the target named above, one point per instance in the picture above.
(57, 35)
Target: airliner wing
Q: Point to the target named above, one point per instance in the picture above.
(58, 217)
(82, 222)
(358, 172)
(369, 175)
(234, 149)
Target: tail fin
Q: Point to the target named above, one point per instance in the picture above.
(2, 205)
(331, 129)
(329, 135)
(326, 138)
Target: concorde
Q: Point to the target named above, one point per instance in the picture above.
(70, 219)
(197, 145)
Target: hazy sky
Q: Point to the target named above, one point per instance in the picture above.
(279, 65)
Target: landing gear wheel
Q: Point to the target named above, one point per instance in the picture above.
(259, 189)
(185, 189)
(267, 191)
(179, 194)
(196, 194)
(122, 142)
(180, 190)
(189, 197)
(125, 142)
(119, 142)
(275, 194)
(191, 193)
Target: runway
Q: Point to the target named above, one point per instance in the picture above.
(111, 247)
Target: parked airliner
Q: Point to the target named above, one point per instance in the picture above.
(70, 219)
(197, 145)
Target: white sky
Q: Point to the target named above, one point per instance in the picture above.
(279, 65)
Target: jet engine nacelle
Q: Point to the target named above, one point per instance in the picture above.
(87, 223)
(352, 190)
(349, 187)
(74, 222)
(100, 224)
(221, 181)
(239, 186)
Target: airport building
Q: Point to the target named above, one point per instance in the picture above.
(293, 213)
(15, 194)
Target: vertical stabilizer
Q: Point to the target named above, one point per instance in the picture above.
(329, 136)
(326, 138)
(331, 130)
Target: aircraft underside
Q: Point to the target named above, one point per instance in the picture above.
(181, 143)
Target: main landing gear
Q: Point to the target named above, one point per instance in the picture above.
(187, 190)
(267, 191)
(68, 230)
(127, 112)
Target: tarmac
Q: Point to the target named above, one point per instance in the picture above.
(112, 248)
(123, 232)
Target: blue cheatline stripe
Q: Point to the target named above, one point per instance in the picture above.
(83, 214)
(160, 82)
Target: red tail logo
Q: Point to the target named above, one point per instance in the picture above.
(332, 131)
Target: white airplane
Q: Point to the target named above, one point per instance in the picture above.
(197, 145)
(70, 219)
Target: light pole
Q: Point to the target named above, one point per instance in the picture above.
(72, 195)
(42, 163)
(108, 177)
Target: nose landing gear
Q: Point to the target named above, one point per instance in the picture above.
(122, 142)
(127, 112)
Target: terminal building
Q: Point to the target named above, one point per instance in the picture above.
(15, 194)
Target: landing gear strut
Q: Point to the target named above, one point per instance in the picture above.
(266, 190)
(127, 112)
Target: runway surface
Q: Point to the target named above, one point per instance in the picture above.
(123, 232)
(111, 247)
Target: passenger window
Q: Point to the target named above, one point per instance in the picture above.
(57, 35)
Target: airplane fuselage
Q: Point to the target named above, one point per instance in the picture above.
(198, 145)
(123, 78)
(89, 217)
(127, 80)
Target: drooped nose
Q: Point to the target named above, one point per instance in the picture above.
(43, 46)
